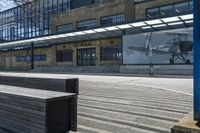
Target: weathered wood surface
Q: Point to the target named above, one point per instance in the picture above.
(51, 83)
(26, 110)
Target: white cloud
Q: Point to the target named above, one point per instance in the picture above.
(6, 4)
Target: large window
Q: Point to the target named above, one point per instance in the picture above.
(86, 24)
(114, 19)
(65, 55)
(191, 6)
(166, 10)
(66, 5)
(153, 12)
(28, 58)
(86, 57)
(181, 7)
(1, 35)
(64, 28)
(32, 20)
(111, 53)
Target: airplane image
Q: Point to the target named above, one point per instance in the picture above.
(178, 47)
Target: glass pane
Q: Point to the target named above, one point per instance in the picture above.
(114, 19)
(153, 12)
(79, 58)
(166, 10)
(191, 5)
(66, 5)
(181, 7)
(86, 57)
(86, 24)
(64, 28)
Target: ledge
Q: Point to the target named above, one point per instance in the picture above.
(186, 125)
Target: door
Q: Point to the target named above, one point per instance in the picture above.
(86, 57)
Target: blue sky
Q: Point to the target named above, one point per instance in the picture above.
(6, 4)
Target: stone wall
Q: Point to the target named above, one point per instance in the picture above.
(95, 11)
(8, 59)
(158, 69)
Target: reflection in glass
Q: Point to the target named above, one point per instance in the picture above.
(30, 21)
(153, 12)
(166, 10)
(181, 7)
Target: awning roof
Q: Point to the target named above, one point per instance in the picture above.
(140, 26)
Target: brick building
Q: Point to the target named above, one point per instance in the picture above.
(113, 35)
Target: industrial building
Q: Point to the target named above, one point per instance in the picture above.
(124, 36)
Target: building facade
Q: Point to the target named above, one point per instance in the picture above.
(130, 47)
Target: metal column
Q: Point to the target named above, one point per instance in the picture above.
(32, 56)
(196, 62)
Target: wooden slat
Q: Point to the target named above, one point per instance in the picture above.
(54, 84)
(26, 110)
(59, 84)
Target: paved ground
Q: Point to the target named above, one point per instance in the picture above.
(114, 104)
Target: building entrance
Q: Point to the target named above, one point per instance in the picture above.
(86, 57)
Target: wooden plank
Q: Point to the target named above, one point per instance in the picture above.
(69, 85)
(30, 111)
(47, 111)
(33, 94)
(16, 128)
(37, 120)
(22, 124)
(32, 101)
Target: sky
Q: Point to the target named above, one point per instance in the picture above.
(6, 4)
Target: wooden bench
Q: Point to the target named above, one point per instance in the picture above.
(26, 110)
(53, 84)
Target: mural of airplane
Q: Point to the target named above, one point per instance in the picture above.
(178, 47)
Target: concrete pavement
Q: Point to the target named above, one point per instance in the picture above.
(116, 104)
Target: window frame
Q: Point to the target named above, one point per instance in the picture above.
(64, 29)
(27, 58)
(112, 53)
(116, 19)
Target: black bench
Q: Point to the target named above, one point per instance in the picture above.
(26, 110)
(53, 84)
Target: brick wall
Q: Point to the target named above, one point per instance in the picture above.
(94, 12)
(8, 59)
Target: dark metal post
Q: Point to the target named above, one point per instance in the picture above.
(120, 61)
(196, 49)
(32, 56)
(150, 58)
(150, 55)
